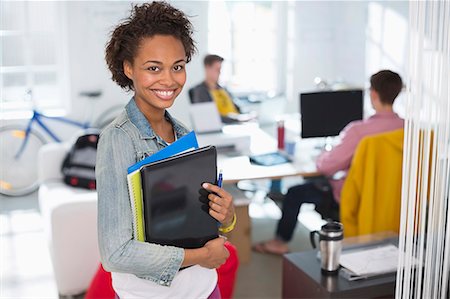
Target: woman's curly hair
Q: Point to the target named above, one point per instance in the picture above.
(146, 20)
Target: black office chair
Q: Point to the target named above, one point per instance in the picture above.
(328, 208)
(191, 95)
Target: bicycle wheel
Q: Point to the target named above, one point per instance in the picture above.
(107, 116)
(18, 173)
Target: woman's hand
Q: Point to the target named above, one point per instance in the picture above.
(215, 253)
(212, 255)
(220, 204)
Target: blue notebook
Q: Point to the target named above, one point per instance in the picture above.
(185, 143)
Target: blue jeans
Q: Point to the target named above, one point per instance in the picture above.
(308, 192)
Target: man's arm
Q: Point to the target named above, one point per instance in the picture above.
(340, 157)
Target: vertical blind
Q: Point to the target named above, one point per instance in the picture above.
(424, 264)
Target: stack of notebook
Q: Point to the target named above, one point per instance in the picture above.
(168, 203)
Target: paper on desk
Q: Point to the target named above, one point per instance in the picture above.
(369, 262)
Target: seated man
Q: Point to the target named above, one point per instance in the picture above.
(210, 90)
(384, 88)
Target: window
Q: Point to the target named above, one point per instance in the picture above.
(32, 56)
(387, 45)
(245, 34)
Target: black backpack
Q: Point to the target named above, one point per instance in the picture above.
(78, 167)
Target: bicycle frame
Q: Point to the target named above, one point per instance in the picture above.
(37, 117)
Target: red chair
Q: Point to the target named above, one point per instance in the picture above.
(227, 273)
(101, 284)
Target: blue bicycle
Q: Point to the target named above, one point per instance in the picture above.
(19, 147)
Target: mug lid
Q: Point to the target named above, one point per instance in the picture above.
(332, 227)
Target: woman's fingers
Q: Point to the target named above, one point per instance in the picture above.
(218, 216)
(219, 200)
(217, 208)
(219, 191)
(223, 215)
(221, 203)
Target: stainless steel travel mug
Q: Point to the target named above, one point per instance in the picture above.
(330, 245)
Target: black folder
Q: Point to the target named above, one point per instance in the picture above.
(176, 210)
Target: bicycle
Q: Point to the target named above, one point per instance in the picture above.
(19, 147)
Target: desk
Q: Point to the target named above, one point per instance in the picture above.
(237, 168)
(302, 277)
(241, 236)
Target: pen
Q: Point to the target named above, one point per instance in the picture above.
(219, 181)
(219, 184)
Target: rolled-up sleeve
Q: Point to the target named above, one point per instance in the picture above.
(118, 250)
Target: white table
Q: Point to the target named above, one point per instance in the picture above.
(237, 168)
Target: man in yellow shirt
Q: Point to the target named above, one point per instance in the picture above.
(210, 90)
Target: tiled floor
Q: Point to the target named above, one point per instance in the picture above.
(26, 270)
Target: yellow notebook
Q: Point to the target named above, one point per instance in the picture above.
(135, 190)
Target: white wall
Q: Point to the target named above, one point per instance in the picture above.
(334, 40)
(88, 27)
(387, 42)
(198, 12)
(329, 42)
(89, 24)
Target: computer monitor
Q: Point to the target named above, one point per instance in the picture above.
(326, 113)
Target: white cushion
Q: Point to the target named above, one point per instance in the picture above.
(50, 158)
(70, 224)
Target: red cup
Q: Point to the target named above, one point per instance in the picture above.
(280, 134)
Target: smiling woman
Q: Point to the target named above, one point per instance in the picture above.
(157, 72)
(158, 75)
(147, 55)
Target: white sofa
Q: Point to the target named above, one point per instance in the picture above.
(70, 223)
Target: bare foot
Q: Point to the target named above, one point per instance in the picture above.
(275, 246)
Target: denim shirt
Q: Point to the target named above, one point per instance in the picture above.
(127, 140)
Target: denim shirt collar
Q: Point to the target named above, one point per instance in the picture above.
(145, 129)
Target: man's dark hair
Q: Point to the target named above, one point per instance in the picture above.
(388, 85)
(210, 59)
(146, 20)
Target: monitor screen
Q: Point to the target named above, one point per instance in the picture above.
(326, 113)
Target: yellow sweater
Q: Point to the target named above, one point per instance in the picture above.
(371, 195)
(223, 101)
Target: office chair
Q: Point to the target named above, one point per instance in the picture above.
(191, 95)
(328, 208)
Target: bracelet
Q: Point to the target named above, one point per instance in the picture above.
(230, 227)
